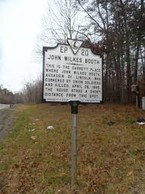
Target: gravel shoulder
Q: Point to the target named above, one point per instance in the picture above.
(7, 118)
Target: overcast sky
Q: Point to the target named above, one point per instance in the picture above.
(20, 26)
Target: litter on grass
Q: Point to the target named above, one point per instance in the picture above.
(33, 137)
(140, 121)
(50, 128)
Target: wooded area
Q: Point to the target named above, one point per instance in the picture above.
(8, 97)
(31, 93)
(120, 24)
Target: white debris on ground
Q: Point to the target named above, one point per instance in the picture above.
(33, 137)
(50, 127)
(31, 130)
(140, 121)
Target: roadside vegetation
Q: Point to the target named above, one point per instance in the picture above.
(111, 151)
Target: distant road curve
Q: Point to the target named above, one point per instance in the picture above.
(3, 106)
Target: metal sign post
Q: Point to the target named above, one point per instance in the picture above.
(74, 112)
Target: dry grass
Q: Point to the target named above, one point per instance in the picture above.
(111, 151)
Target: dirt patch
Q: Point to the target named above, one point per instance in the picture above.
(7, 117)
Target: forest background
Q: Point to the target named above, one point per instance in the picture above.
(114, 29)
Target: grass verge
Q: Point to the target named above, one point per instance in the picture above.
(111, 151)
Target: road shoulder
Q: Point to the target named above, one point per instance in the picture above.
(7, 118)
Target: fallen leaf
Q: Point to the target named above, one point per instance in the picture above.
(129, 173)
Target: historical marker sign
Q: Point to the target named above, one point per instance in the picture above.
(71, 73)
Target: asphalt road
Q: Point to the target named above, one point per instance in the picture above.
(7, 117)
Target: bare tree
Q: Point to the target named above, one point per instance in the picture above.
(61, 21)
(32, 92)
